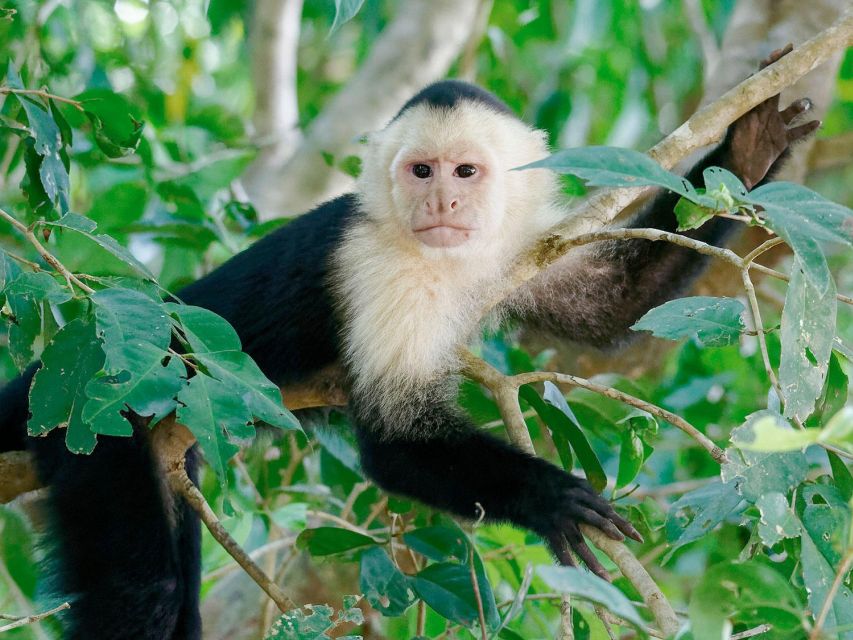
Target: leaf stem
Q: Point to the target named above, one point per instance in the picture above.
(70, 278)
(44, 95)
(830, 595)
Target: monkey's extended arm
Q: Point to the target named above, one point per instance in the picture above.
(443, 460)
(594, 295)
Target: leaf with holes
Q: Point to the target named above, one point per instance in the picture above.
(804, 219)
(385, 587)
(808, 329)
(69, 362)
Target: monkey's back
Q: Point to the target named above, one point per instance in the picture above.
(275, 293)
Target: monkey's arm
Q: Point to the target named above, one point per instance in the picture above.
(595, 294)
(445, 462)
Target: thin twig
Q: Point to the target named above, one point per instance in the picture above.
(475, 584)
(755, 311)
(357, 489)
(183, 486)
(783, 276)
(749, 633)
(36, 617)
(44, 95)
(255, 554)
(830, 596)
(344, 524)
(47, 255)
(677, 421)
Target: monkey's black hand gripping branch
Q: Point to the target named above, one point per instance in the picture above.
(444, 461)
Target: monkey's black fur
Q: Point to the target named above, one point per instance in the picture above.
(128, 552)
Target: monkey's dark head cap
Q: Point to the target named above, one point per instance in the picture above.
(448, 93)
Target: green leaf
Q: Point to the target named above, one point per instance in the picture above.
(691, 215)
(384, 586)
(345, 10)
(613, 167)
(221, 402)
(24, 328)
(771, 433)
(114, 120)
(150, 390)
(326, 541)
(696, 513)
(714, 322)
(9, 271)
(839, 429)
(808, 329)
(138, 371)
(438, 543)
(803, 219)
(834, 395)
(314, 622)
(212, 174)
(129, 321)
(72, 358)
(86, 226)
(447, 587)
(841, 474)
(204, 330)
(208, 410)
(238, 375)
(557, 415)
(778, 520)
(759, 472)
(822, 524)
(47, 139)
(724, 187)
(292, 516)
(39, 286)
(631, 458)
(750, 593)
(590, 588)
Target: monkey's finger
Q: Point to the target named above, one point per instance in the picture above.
(606, 509)
(798, 133)
(796, 108)
(600, 522)
(560, 548)
(775, 55)
(580, 547)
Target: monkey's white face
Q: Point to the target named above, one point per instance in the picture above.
(447, 198)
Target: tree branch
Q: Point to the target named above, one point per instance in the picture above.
(275, 42)
(417, 47)
(36, 617)
(701, 129)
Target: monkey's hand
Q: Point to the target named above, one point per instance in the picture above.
(760, 137)
(575, 503)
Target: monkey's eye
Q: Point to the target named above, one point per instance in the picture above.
(422, 171)
(465, 170)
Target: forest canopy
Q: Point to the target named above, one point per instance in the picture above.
(146, 142)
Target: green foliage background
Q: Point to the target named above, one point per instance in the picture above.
(153, 162)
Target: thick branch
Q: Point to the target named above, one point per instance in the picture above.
(417, 47)
(703, 128)
(275, 39)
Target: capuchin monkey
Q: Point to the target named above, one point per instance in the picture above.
(388, 280)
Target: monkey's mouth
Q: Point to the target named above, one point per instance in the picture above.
(444, 235)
